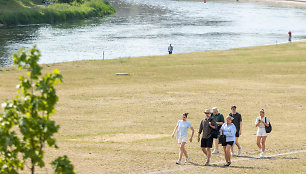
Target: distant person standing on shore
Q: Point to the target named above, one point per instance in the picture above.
(262, 122)
(238, 123)
(170, 49)
(290, 36)
(182, 136)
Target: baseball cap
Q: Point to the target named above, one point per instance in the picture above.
(207, 111)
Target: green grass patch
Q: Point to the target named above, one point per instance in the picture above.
(13, 12)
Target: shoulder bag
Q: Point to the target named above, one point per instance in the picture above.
(269, 128)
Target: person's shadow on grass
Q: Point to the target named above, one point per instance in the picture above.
(242, 167)
(222, 166)
(272, 158)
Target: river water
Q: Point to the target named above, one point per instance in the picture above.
(146, 27)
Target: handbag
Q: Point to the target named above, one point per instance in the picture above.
(222, 138)
(269, 128)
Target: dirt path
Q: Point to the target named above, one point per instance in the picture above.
(241, 158)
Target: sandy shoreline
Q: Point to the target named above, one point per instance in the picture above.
(277, 3)
(281, 3)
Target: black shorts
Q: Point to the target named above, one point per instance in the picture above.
(237, 133)
(207, 142)
(170, 52)
(226, 143)
(215, 134)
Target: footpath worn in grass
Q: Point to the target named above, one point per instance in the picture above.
(14, 12)
(122, 124)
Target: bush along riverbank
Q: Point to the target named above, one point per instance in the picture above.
(13, 12)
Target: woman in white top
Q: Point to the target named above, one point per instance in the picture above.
(182, 136)
(261, 122)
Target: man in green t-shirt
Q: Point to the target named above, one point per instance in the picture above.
(218, 117)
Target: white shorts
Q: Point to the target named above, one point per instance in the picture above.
(261, 132)
(182, 139)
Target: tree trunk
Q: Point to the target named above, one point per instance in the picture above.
(33, 167)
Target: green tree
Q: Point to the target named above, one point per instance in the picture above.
(70, 1)
(25, 125)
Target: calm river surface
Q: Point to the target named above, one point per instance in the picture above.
(146, 27)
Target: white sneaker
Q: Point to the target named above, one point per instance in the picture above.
(178, 162)
(232, 154)
(262, 154)
(239, 150)
(187, 159)
(215, 152)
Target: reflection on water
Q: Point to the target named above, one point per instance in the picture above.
(146, 27)
(11, 36)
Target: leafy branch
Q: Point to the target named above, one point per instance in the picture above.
(25, 125)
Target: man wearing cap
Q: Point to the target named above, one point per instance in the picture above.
(218, 117)
(238, 123)
(207, 124)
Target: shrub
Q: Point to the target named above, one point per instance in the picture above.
(57, 12)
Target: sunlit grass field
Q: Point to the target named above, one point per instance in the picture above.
(122, 124)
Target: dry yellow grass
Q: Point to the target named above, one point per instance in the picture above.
(119, 124)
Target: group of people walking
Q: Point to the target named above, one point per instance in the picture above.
(212, 127)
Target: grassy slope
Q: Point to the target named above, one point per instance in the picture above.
(27, 12)
(112, 124)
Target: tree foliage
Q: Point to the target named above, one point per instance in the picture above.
(25, 124)
(70, 1)
(62, 165)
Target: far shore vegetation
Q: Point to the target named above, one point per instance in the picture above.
(14, 12)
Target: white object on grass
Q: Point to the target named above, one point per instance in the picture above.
(122, 74)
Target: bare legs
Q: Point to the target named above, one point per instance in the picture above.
(261, 145)
(207, 152)
(237, 143)
(182, 151)
(227, 153)
(258, 142)
(216, 144)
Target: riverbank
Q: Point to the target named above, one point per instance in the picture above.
(122, 124)
(33, 12)
(281, 3)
